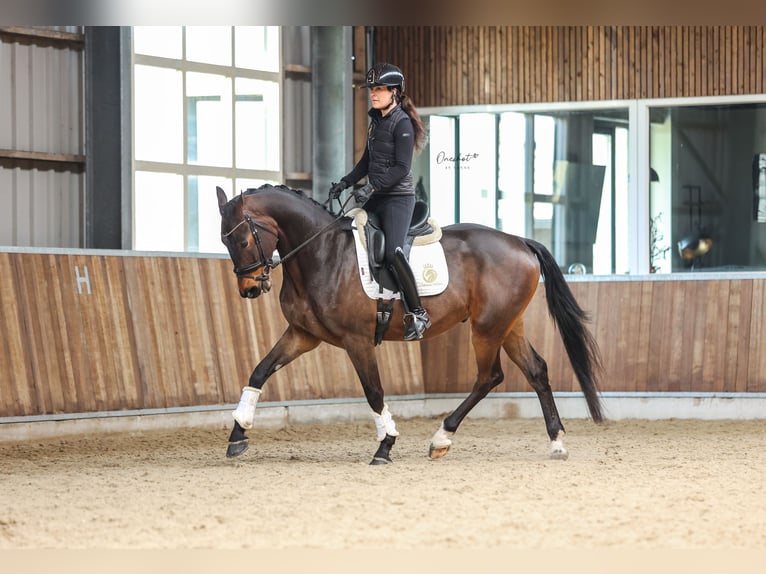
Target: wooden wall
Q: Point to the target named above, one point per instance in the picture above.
(473, 65)
(154, 332)
(162, 332)
(693, 335)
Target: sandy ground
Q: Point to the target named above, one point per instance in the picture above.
(629, 484)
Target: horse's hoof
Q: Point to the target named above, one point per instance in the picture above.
(559, 455)
(436, 452)
(236, 448)
(376, 460)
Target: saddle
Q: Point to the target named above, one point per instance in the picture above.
(422, 231)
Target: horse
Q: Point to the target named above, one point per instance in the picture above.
(493, 276)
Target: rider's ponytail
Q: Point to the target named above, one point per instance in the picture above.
(417, 123)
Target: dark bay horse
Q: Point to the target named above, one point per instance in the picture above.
(492, 278)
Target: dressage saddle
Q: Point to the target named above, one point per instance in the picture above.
(376, 243)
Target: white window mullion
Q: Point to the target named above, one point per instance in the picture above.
(638, 188)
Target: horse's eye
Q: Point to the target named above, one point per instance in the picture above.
(243, 244)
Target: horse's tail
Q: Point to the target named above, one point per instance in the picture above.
(570, 319)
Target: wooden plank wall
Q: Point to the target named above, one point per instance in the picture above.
(669, 335)
(475, 65)
(161, 332)
(154, 332)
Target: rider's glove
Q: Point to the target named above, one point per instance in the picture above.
(362, 194)
(337, 188)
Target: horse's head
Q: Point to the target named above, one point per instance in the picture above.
(250, 240)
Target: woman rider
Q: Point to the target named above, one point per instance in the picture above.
(395, 133)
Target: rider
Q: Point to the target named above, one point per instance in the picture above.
(394, 134)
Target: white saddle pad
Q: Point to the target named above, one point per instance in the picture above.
(427, 262)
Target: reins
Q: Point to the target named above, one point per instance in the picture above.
(318, 233)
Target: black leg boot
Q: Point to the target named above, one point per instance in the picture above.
(416, 317)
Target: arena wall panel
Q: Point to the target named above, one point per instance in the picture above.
(700, 334)
(87, 331)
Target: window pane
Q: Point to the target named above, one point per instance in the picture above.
(201, 118)
(209, 44)
(244, 183)
(589, 152)
(621, 214)
(660, 213)
(208, 109)
(206, 218)
(257, 129)
(705, 204)
(163, 41)
(257, 47)
(441, 144)
(158, 210)
(602, 248)
(478, 169)
(158, 114)
(542, 180)
(511, 212)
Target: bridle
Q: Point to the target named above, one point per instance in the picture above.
(266, 263)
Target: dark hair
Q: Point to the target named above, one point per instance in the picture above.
(417, 124)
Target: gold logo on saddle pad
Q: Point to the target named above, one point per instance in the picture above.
(429, 273)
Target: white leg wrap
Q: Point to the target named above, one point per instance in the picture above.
(557, 446)
(384, 423)
(245, 411)
(441, 438)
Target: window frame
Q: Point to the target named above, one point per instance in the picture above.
(187, 169)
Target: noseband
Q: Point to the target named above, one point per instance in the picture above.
(266, 263)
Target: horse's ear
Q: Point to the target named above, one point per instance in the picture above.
(222, 199)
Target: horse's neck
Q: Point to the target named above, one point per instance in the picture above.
(299, 224)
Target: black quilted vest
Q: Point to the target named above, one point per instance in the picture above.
(380, 142)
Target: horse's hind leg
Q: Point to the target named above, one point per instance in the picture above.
(535, 370)
(292, 344)
(489, 376)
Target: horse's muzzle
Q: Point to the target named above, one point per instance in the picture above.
(254, 289)
(250, 293)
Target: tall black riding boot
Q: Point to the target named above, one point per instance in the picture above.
(416, 318)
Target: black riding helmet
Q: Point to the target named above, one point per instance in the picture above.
(384, 75)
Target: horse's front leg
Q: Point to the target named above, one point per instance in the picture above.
(292, 344)
(362, 355)
(386, 435)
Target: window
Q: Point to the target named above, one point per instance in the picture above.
(707, 202)
(561, 174)
(558, 176)
(207, 113)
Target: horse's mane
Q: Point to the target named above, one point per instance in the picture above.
(280, 187)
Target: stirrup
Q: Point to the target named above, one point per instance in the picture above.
(419, 322)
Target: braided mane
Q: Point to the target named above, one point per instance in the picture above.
(280, 187)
